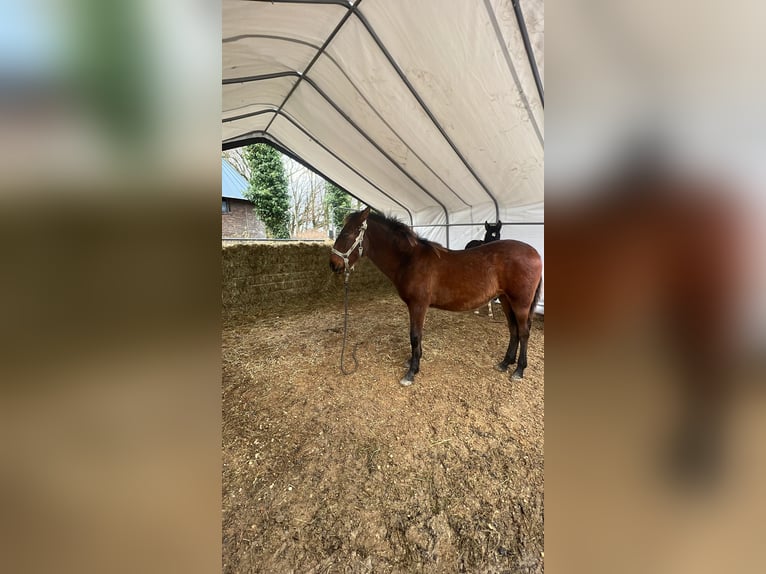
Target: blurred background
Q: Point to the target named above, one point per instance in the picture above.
(110, 291)
(655, 278)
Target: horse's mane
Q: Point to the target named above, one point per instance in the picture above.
(403, 233)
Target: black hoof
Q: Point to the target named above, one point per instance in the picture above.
(517, 375)
(502, 367)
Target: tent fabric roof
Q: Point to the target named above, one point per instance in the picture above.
(428, 110)
(232, 183)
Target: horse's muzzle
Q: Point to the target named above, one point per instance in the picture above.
(336, 264)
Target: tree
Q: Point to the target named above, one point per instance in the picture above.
(236, 157)
(268, 189)
(307, 205)
(338, 202)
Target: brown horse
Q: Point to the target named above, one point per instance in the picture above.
(426, 274)
(492, 234)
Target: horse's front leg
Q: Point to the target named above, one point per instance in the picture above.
(417, 318)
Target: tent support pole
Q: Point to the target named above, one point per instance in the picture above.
(528, 48)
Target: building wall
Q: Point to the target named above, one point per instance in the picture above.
(241, 221)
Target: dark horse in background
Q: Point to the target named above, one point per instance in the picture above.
(492, 233)
(427, 274)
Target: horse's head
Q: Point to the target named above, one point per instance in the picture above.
(349, 246)
(493, 231)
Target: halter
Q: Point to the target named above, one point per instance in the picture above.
(357, 243)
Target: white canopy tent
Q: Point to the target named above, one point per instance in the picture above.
(430, 110)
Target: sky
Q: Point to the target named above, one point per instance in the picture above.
(28, 42)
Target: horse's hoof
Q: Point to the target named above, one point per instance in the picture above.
(405, 382)
(501, 367)
(516, 376)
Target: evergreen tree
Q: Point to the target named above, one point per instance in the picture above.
(339, 203)
(268, 189)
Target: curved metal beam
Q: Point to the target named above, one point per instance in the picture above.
(352, 8)
(528, 48)
(344, 3)
(228, 144)
(353, 85)
(353, 124)
(377, 147)
(283, 149)
(512, 68)
(423, 105)
(272, 76)
(319, 52)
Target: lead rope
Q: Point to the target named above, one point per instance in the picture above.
(345, 331)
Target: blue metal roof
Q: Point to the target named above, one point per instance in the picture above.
(232, 183)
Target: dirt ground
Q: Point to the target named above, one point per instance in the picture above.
(324, 472)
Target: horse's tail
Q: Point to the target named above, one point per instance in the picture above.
(535, 299)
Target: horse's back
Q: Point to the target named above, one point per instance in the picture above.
(512, 254)
(464, 280)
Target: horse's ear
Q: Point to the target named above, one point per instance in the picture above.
(499, 224)
(365, 213)
(486, 225)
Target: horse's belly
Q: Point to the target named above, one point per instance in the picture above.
(461, 303)
(457, 307)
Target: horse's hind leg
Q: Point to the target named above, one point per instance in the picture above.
(513, 327)
(524, 322)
